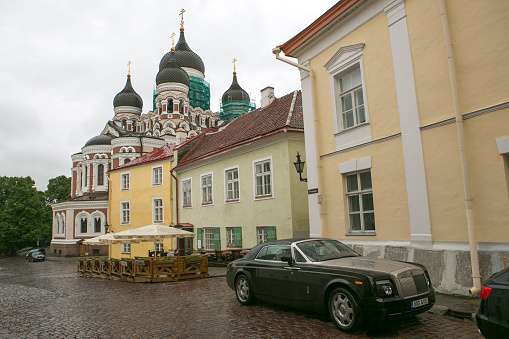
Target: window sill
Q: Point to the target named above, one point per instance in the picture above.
(371, 233)
(190, 206)
(232, 246)
(207, 204)
(261, 197)
(349, 129)
(232, 201)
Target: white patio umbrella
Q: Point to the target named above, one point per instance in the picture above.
(108, 239)
(153, 233)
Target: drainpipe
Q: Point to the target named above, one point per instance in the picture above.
(176, 196)
(474, 258)
(276, 52)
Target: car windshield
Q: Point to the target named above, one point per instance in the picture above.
(321, 250)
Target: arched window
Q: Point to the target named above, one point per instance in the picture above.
(97, 225)
(86, 176)
(126, 160)
(100, 175)
(169, 107)
(83, 225)
(124, 124)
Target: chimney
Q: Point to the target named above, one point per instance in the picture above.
(267, 96)
(181, 136)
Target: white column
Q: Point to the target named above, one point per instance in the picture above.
(417, 195)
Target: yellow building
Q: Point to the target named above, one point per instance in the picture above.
(140, 194)
(406, 115)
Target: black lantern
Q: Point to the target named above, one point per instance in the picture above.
(106, 227)
(299, 166)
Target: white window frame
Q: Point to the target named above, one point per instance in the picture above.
(261, 234)
(123, 221)
(155, 210)
(262, 161)
(159, 246)
(346, 60)
(155, 177)
(208, 238)
(125, 184)
(126, 248)
(359, 193)
(226, 184)
(211, 202)
(190, 180)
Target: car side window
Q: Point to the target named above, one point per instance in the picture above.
(274, 253)
(298, 256)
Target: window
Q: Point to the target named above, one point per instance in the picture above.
(206, 189)
(158, 215)
(169, 107)
(274, 253)
(97, 225)
(232, 184)
(159, 247)
(100, 175)
(125, 184)
(126, 248)
(126, 160)
(359, 195)
(352, 99)
(186, 193)
(181, 106)
(266, 233)
(157, 176)
(209, 238)
(234, 236)
(83, 225)
(263, 179)
(125, 212)
(86, 177)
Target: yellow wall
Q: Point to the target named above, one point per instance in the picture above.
(479, 32)
(140, 196)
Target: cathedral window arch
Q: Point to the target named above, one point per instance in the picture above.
(97, 219)
(181, 107)
(169, 107)
(100, 175)
(126, 160)
(124, 124)
(81, 223)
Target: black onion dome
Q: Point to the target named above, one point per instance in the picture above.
(184, 55)
(172, 72)
(235, 92)
(128, 97)
(101, 139)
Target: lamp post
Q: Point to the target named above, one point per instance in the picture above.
(299, 166)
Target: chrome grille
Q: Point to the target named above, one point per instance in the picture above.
(412, 283)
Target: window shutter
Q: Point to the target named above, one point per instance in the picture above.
(237, 236)
(271, 233)
(217, 238)
(199, 241)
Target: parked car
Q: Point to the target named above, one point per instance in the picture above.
(493, 316)
(42, 250)
(36, 256)
(324, 275)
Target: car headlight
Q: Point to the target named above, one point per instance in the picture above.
(384, 288)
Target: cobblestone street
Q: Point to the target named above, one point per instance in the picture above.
(48, 300)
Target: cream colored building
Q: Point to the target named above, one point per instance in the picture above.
(406, 114)
(140, 194)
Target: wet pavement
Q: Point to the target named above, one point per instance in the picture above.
(48, 300)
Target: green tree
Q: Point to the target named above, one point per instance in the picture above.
(59, 189)
(24, 214)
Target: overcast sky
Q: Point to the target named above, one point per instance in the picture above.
(63, 62)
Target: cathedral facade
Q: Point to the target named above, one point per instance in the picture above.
(180, 111)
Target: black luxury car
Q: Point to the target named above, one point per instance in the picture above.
(493, 316)
(324, 275)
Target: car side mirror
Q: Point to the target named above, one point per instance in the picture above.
(287, 259)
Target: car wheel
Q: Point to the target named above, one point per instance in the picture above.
(344, 310)
(243, 291)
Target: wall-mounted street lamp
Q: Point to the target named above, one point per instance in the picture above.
(106, 227)
(299, 166)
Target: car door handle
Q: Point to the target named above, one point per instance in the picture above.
(292, 268)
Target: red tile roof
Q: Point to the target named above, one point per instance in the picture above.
(282, 115)
(162, 153)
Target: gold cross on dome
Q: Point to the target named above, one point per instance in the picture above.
(172, 39)
(182, 17)
(234, 61)
(129, 68)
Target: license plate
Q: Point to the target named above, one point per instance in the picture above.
(419, 303)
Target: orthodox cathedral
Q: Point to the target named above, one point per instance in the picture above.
(180, 110)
